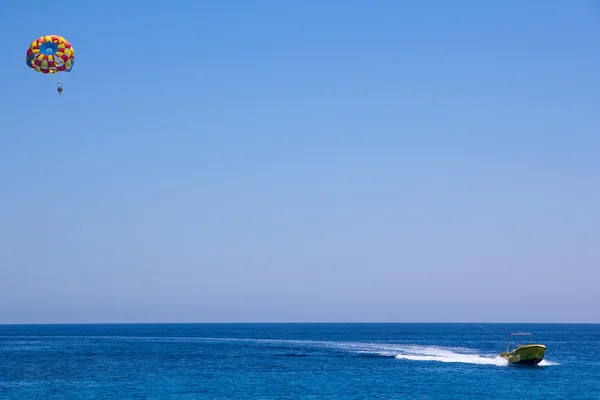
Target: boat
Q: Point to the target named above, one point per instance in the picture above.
(524, 354)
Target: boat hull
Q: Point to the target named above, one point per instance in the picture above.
(530, 354)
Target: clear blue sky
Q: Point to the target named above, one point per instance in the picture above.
(302, 161)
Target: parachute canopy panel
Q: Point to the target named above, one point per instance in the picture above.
(50, 54)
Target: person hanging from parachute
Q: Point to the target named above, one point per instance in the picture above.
(51, 54)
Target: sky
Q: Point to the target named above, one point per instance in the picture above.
(302, 161)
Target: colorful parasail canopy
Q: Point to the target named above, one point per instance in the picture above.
(50, 54)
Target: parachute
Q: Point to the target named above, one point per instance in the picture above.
(50, 54)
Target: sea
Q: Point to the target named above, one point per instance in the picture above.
(294, 361)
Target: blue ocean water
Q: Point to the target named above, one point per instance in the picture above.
(293, 361)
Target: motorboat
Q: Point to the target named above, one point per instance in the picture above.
(523, 353)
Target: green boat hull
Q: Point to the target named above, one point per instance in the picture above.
(530, 354)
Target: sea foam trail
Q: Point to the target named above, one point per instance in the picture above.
(447, 356)
(409, 352)
(413, 352)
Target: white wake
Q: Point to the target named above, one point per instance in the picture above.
(410, 352)
(400, 351)
(413, 352)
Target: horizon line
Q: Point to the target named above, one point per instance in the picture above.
(295, 323)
